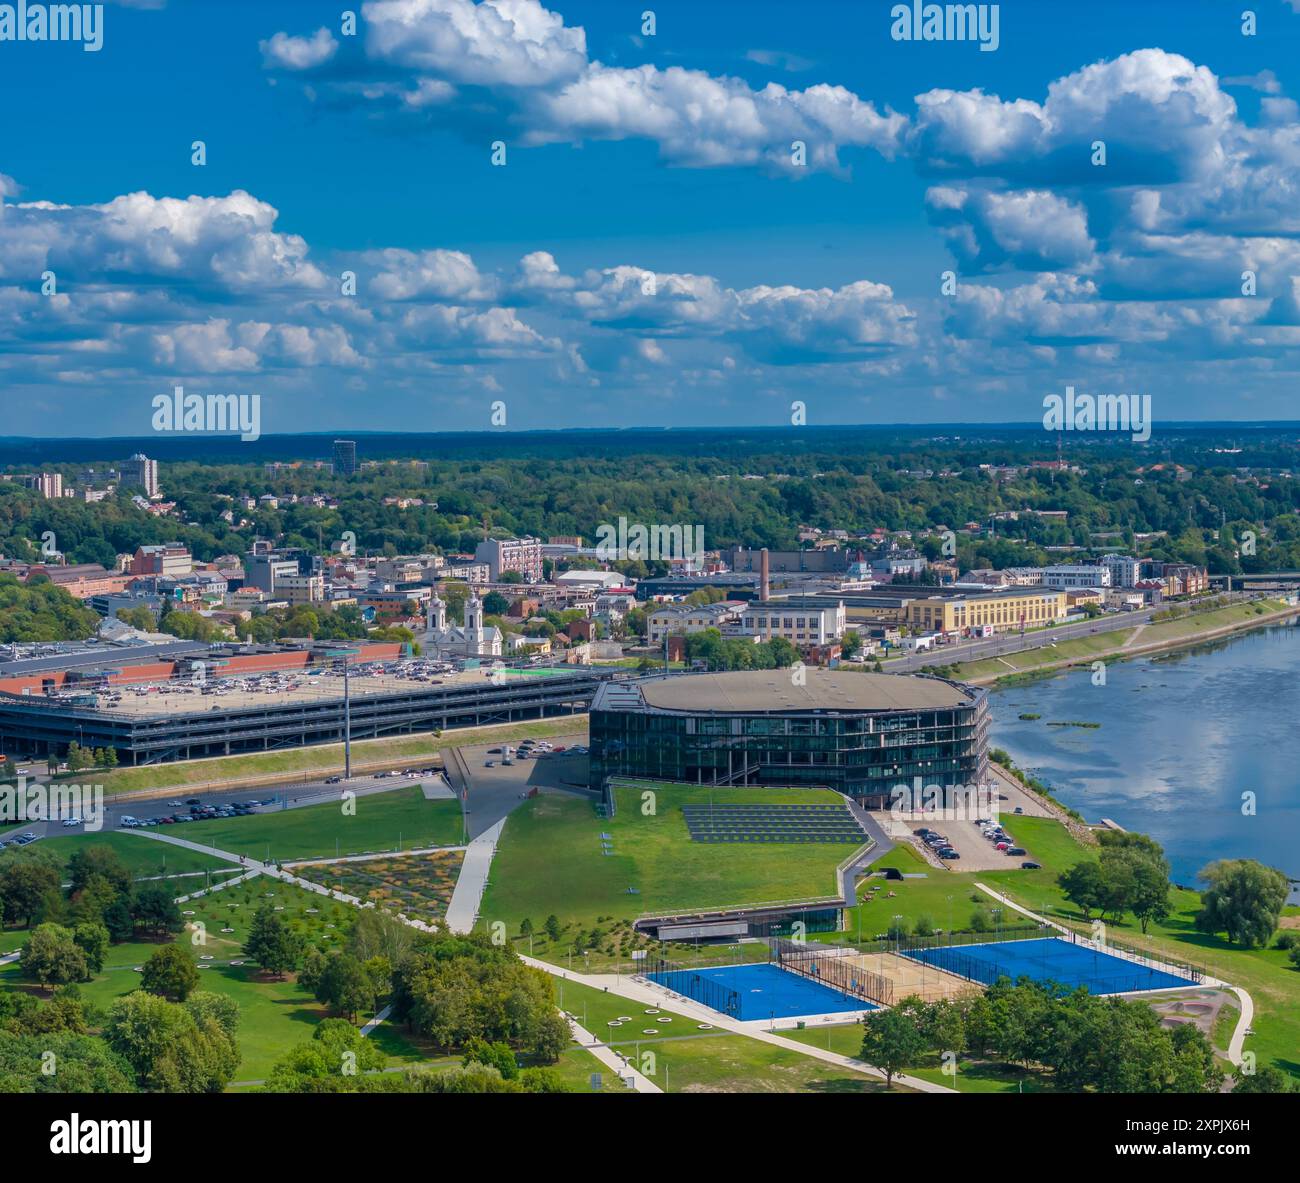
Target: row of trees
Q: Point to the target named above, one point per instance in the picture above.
(100, 895)
(1076, 1041)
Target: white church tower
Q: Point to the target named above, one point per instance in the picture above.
(437, 614)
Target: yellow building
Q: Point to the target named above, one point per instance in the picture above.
(1002, 608)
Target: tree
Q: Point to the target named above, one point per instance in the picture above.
(345, 985)
(335, 1051)
(525, 927)
(52, 956)
(25, 884)
(85, 1064)
(92, 939)
(170, 973)
(170, 1047)
(497, 1055)
(117, 919)
(552, 927)
(155, 911)
(1244, 899)
(272, 943)
(93, 861)
(1263, 1080)
(1082, 885)
(892, 1040)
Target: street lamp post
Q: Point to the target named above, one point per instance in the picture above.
(347, 708)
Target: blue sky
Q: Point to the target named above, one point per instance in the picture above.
(649, 254)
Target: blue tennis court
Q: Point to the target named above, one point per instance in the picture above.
(759, 991)
(1048, 959)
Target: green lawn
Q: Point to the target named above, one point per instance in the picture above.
(683, 1059)
(550, 861)
(971, 1076)
(274, 1015)
(401, 818)
(142, 856)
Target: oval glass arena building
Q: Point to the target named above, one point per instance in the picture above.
(860, 733)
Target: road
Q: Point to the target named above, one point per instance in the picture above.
(1004, 643)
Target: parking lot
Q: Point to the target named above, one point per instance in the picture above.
(495, 791)
(967, 838)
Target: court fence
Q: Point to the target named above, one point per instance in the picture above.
(832, 966)
(690, 983)
(1142, 956)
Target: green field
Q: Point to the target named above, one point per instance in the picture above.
(144, 857)
(550, 861)
(688, 1060)
(274, 1015)
(972, 1076)
(400, 819)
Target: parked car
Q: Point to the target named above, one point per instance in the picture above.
(333, 780)
(1031, 866)
(1016, 850)
(175, 804)
(489, 763)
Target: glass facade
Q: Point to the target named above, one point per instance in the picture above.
(864, 754)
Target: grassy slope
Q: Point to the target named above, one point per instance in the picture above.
(322, 759)
(141, 856)
(380, 822)
(1184, 629)
(550, 861)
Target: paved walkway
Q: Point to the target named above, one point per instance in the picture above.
(622, 1066)
(462, 912)
(646, 992)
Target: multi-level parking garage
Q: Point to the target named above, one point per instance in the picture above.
(219, 709)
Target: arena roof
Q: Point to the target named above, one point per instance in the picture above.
(775, 691)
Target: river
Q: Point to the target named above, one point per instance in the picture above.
(1182, 736)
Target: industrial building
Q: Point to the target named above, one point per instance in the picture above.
(859, 733)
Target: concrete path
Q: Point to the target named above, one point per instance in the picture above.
(379, 1018)
(462, 912)
(621, 1065)
(1244, 1021)
(645, 992)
